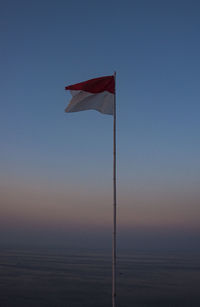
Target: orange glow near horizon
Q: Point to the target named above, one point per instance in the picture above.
(41, 206)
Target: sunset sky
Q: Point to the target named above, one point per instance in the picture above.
(56, 168)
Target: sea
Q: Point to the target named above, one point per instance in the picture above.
(34, 277)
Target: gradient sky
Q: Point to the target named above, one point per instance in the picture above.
(56, 168)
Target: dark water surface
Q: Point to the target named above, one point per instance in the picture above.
(74, 279)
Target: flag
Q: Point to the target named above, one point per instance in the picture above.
(95, 94)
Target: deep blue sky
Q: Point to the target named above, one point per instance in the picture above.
(154, 46)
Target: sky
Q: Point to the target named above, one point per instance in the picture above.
(56, 168)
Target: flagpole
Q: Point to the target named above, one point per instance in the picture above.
(114, 205)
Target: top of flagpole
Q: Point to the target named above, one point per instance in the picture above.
(115, 80)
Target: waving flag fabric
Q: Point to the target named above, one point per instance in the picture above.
(95, 94)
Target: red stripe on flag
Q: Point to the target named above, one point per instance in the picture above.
(96, 85)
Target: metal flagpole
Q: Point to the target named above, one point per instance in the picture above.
(114, 205)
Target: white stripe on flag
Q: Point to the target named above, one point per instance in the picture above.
(82, 100)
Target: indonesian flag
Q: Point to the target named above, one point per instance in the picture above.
(95, 94)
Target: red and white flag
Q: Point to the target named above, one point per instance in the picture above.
(95, 94)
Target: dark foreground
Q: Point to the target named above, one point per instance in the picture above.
(60, 278)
